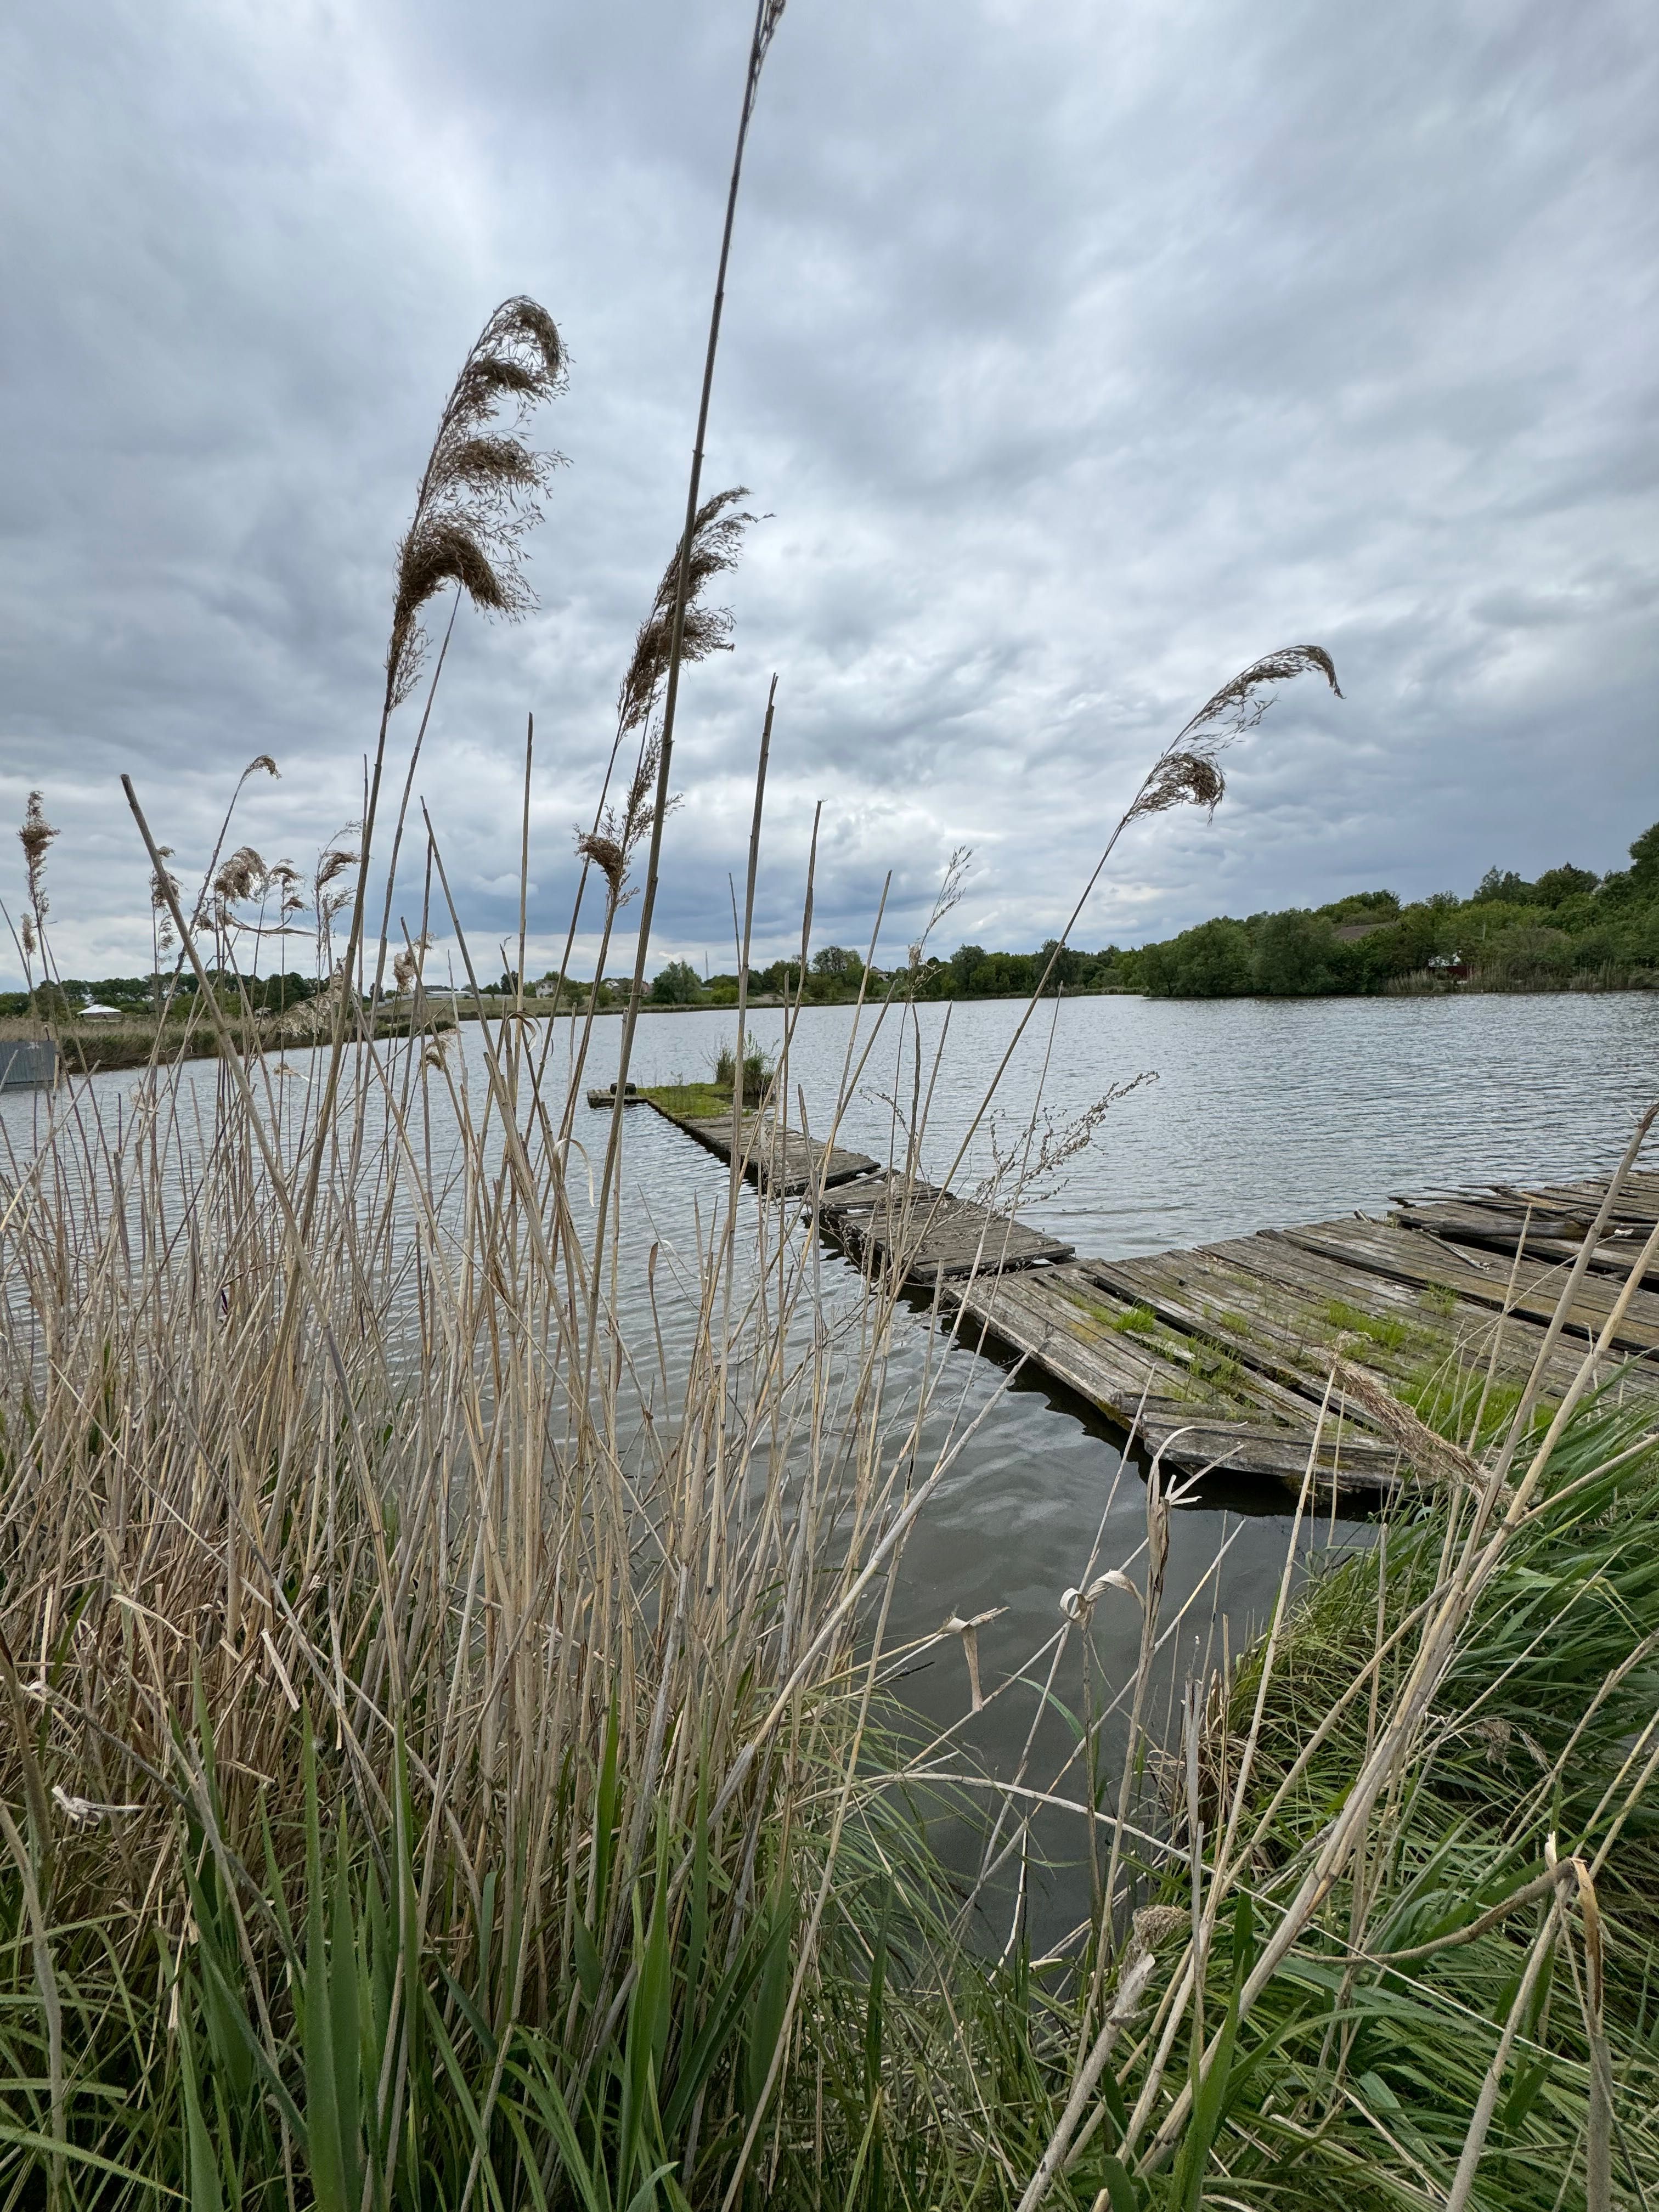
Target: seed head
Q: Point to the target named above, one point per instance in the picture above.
(36, 833)
(334, 864)
(716, 546)
(607, 856)
(243, 876)
(1187, 772)
(478, 495)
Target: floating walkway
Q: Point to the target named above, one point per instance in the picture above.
(898, 1224)
(788, 1163)
(1220, 1357)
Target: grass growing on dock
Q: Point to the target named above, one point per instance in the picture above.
(693, 1102)
(1386, 1331)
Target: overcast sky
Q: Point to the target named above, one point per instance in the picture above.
(1077, 353)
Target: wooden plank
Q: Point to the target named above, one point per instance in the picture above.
(1476, 1221)
(1578, 1201)
(1638, 1199)
(1063, 1321)
(1381, 1248)
(1553, 1236)
(902, 1225)
(1555, 1217)
(1285, 1313)
(784, 1162)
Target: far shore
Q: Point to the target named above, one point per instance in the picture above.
(90, 1049)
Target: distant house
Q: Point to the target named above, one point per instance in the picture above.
(95, 1012)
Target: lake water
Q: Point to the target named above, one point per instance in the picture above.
(1263, 1114)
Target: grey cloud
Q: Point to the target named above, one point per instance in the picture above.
(1078, 356)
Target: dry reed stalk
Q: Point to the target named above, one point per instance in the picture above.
(434, 1541)
(769, 14)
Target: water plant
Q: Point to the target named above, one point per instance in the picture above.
(759, 1071)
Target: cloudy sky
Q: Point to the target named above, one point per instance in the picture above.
(1077, 354)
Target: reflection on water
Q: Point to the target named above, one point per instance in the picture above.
(1263, 1113)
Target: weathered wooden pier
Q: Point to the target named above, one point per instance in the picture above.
(788, 1162)
(1220, 1357)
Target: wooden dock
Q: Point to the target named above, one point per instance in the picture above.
(1220, 1357)
(1224, 1352)
(1187, 1395)
(786, 1163)
(898, 1224)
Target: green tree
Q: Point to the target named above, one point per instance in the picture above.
(963, 962)
(1293, 957)
(1363, 906)
(1566, 882)
(837, 966)
(1210, 962)
(677, 984)
(1507, 886)
(1068, 964)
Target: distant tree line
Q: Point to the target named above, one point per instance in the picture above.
(833, 975)
(1569, 928)
(140, 996)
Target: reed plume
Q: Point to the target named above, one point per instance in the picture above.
(479, 494)
(478, 497)
(244, 876)
(35, 835)
(1187, 771)
(715, 547)
(607, 856)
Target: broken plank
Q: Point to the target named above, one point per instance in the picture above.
(1545, 1237)
(786, 1162)
(903, 1225)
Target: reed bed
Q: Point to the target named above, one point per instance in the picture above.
(428, 1746)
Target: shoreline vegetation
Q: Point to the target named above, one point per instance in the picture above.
(454, 1754)
(1569, 931)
